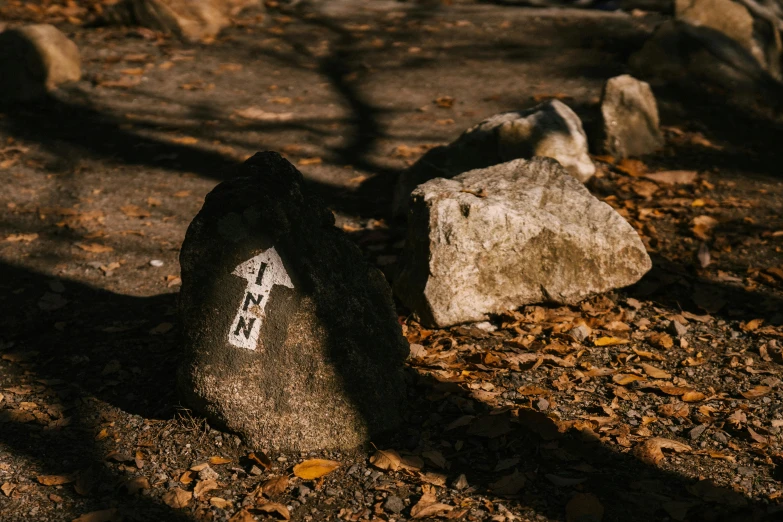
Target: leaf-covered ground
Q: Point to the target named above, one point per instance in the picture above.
(658, 402)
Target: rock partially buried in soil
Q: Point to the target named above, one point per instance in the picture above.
(630, 118)
(188, 19)
(521, 232)
(757, 34)
(35, 59)
(290, 338)
(697, 57)
(550, 129)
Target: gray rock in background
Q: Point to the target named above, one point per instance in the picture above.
(290, 338)
(35, 59)
(190, 20)
(630, 120)
(521, 232)
(549, 129)
(697, 57)
(756, 34)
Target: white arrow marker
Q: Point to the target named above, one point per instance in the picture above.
(262, 272)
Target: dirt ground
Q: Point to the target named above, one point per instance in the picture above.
(667, 407)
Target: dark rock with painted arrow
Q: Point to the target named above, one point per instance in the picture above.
(290, 337)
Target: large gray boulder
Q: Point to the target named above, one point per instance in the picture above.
(521, 232)
(290, 338)
(190, 20)
(34, 60)
(629, 115)
(758, 35)
(694, 57)
(549, 129)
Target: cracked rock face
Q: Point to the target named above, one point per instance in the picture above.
(550, 129)
(290, 338)
(521, 232)
(630, 118)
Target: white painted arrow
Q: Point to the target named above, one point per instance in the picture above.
(262, 272)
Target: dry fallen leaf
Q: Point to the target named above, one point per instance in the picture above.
(257, 114)
(756, 392)
(260, 458)
(274, 508)
(219, 503)
(693, 396)
(655, 373)
(23, 238)
(610, 341)
(177, 498)
(584, 507)
(134, 211)
(95, 248)
(216, 461)
(242, 516)
(650, 451)
(672, 177)
(752, 325)
(54, 480)
(104, 515)
(315, 468)
(386, 460)
(274, 486)
(204, 486)
(661, 340)
(310, 161)
(509, 485)
(625, 379)
(7, 488)
(136, 484)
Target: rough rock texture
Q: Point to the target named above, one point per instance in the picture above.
(188, 19)
(317, 363)
(34, 59)
(521, 232)
(549, 129)
(756, 34)
(694, 57)
(630, 118)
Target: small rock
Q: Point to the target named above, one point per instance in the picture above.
(208, 474)
(531, 236)
(461, 482)
(255, 470)
(290, 337)
(580, 332)
(678, 329)
(157, 263)
(331, 492)
(34, 59)
(393, 504)
(550, 129)
(746, 471)
(630, 118)
(303, 491)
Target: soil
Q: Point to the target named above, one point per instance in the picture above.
(657, 402)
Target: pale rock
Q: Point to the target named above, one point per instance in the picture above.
(629, 114)
(521, 232)
(34, 60)
(691, 56)
(756, 34)
(550, 129)
(190, 20)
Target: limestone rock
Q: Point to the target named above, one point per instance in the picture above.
(757, 35)
(521, 232)
(694, 57)
(630, 118)
(549, 129)
(290, 338)
(34, 59)
(191, 20)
